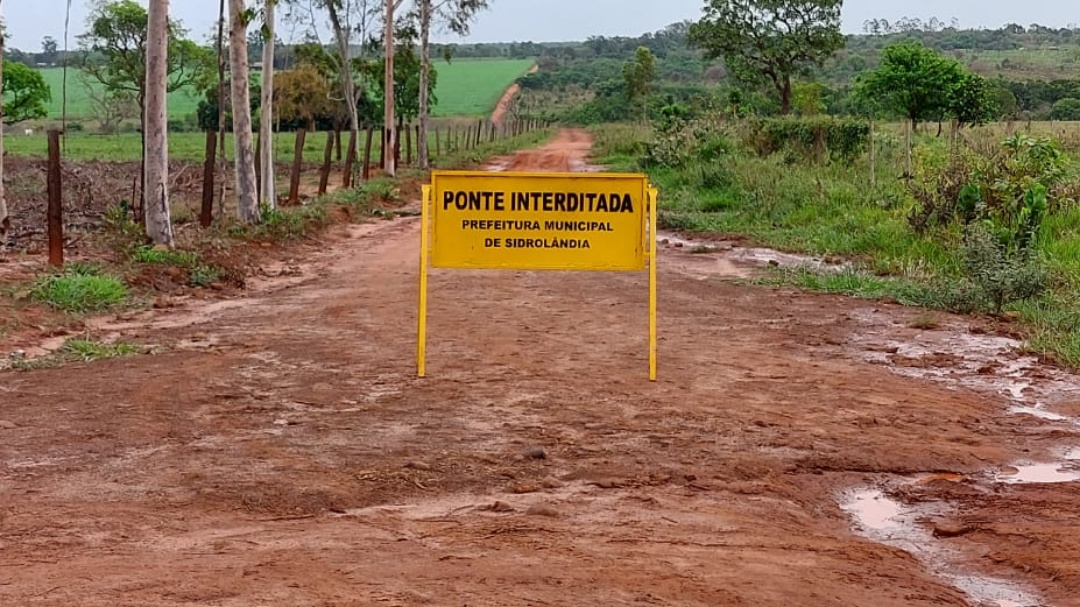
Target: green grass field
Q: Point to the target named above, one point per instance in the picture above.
(79, 106)
(473, 87)
(465, 88)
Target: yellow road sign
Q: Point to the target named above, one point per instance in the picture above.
(538, 221)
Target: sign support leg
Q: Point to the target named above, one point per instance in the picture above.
(653, 195)
(421, 334)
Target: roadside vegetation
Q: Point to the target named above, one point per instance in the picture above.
(931, 198)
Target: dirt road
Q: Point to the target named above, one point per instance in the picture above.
(280, 451)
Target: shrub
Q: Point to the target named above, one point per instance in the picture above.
(1001, 275)
(816, 139)
(204, 275)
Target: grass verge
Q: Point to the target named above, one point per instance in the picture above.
(831, 210)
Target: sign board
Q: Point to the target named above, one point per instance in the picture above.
(537, 221)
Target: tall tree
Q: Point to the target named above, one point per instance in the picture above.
(156, 153)
(771, 39)
(389, 125)
(50, 50)
(458, 16)
(638, 76)
(115, 45)
(26, 91)
(247, 195)
(5, 221)
(266, 120)
(912, 81)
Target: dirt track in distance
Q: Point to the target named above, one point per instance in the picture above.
(503, 106)
(281, 451)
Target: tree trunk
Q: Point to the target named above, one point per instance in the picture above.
(266, 122)
(785, 97)
(5, 221)
(388, 88)
(347, 84)
(425, 77)
(247, 199)
(222, 158)
(155, 130)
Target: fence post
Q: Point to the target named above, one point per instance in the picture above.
(328, 158)
(56, 202)
(367, 152)
(350, 160)
(298, 160)
(206, 211)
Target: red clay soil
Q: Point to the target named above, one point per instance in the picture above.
(282, 452)
(508, 98)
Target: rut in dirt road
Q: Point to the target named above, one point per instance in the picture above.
(281, 452)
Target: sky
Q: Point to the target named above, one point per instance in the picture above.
(561, 20)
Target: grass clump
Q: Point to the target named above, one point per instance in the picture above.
(165, 256)
(80, 290)
(89, 350)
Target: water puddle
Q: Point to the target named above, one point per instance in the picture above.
(1033, 474)
(1039, 411)
(726, 259)
(883, 519)
(1072, 454)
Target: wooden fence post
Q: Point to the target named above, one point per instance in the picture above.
(298, 161)
(328, 159)
(56, 202)
(206, 211)
(350, 160)
(367, 152)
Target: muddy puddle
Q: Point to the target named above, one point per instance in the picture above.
(710, 259)
(948, 351)
(878, 517)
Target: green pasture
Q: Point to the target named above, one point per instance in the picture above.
(467, 87)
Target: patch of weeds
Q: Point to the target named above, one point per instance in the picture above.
(121, 234)
(88, 350)
(925, 322)
(855, 283)
(80, 292)
(702, 249)
(380, 189)
(164, 256)
(204, 275)
(292, 223)
(82, 349)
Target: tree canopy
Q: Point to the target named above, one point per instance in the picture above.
(25, 93)
(115, 45)
(773, 40)
(918, 83)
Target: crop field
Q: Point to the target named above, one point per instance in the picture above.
(466, 87)
(473, 87)
(80, 105)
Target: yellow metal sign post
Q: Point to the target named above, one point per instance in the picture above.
(538, 221)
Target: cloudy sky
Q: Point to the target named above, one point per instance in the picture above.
(556, 20)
